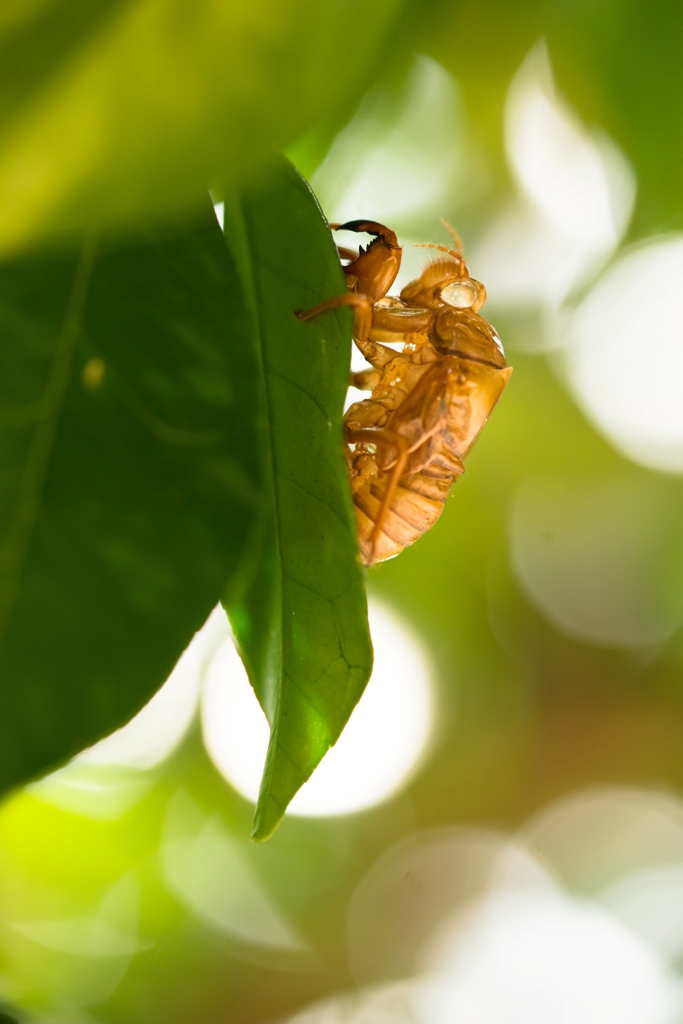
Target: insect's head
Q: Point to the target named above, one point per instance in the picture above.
(373, 270)
(446, 282)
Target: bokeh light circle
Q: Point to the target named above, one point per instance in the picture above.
(377, 752)
(539, 956)
(624, 354)
(574, 199)
(154, 733)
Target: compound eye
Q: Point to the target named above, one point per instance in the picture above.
(460, 294)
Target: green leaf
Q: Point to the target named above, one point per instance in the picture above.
(129, 477)
(302, 622)
(111, 110)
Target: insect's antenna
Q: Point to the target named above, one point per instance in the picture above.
(454, 235)
(457, 255)
(441, 248)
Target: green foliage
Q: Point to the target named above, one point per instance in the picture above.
(171, 428)
(130, 477)
(300, 621)
(169, 432)
(170, 437)
(114, 111)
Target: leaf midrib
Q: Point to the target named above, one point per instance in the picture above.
(248, 274)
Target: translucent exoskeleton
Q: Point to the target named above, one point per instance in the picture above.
(405, 444)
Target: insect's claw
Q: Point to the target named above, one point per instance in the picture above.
(371, 227)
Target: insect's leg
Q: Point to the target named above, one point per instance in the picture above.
(366, 380)
(379, 435)
(375, 268)
(395, 325)
(396, 321)
(376, 354)
(362, 311)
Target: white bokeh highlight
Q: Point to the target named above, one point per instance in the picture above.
(541, 956)
(111, 777)
(624, 848)
(397, 159)
(572, 175)
(566, 921)
(150, 737)
(574, 919)
(379, 749)
(624, 354)
(575, 196)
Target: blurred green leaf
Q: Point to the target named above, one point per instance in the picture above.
(618, 63)
(129, 477)
(301, 622)
(111, 111)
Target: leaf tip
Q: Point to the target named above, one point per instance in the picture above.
(267, 818)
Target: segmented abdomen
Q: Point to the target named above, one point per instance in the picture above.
(449, 404)
(417, 504)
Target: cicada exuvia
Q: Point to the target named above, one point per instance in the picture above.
(405, 444)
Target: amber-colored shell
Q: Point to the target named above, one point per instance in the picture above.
(448, 404)
(405, 444)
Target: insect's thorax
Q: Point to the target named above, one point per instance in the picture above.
(399, 379)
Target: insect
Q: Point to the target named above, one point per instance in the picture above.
(405, 444)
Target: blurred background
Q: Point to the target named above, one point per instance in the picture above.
(498, 836)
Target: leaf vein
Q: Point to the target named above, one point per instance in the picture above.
(27, 506)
